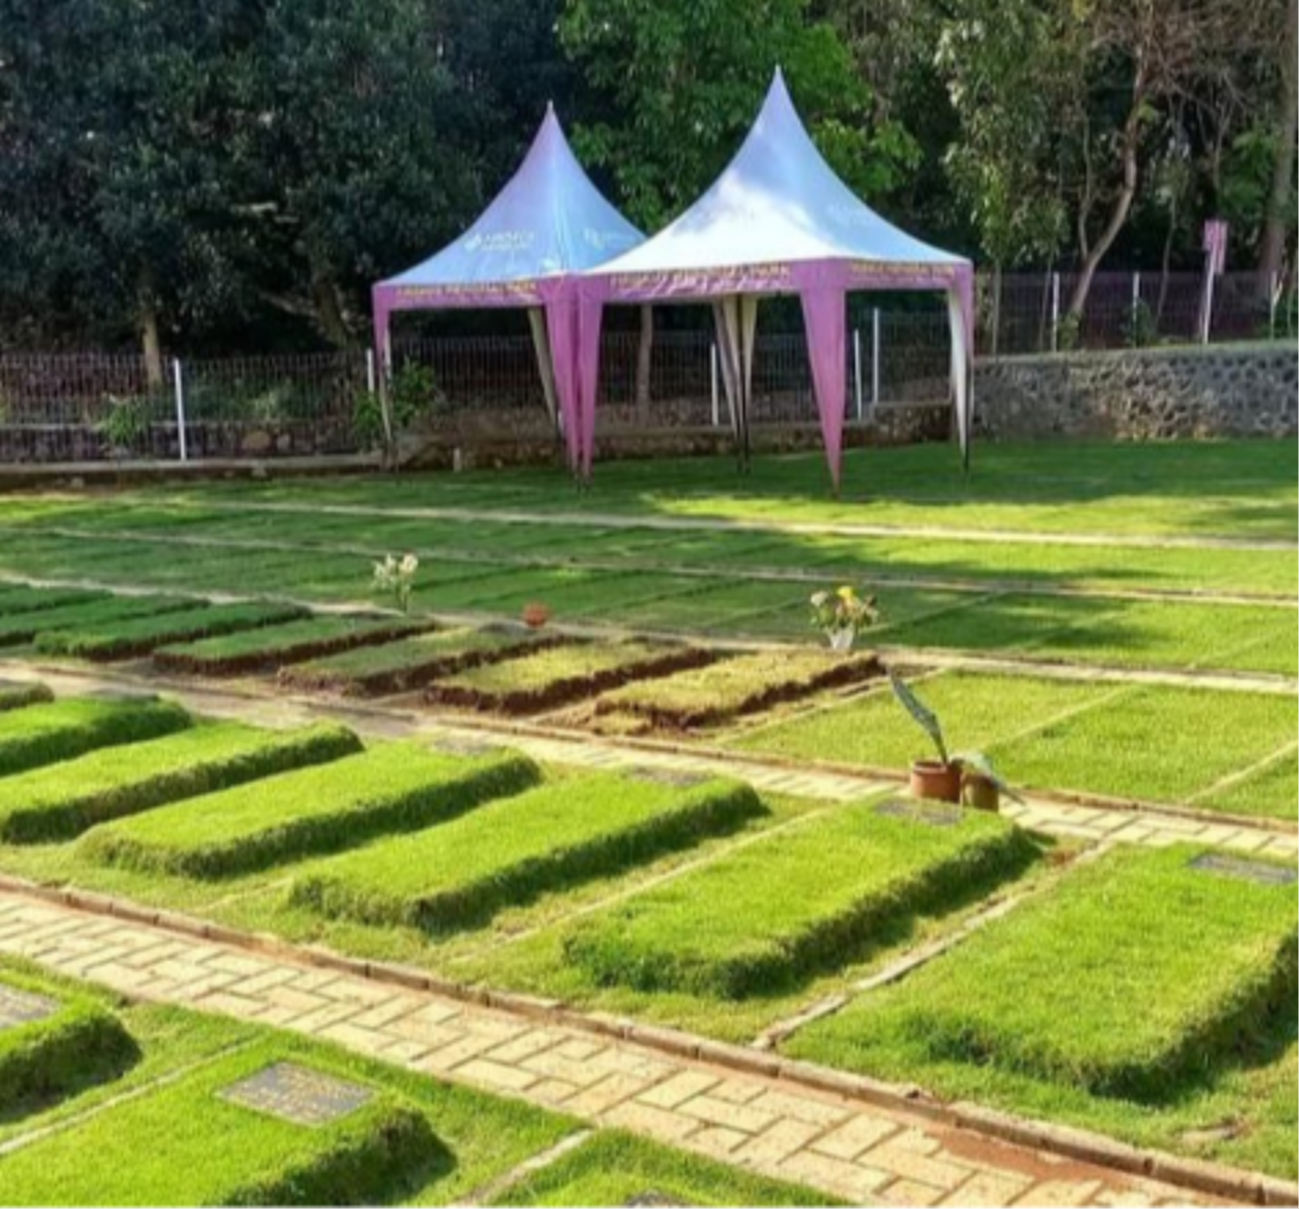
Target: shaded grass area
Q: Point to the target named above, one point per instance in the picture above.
(711, 694)
(558, 674)
(61, 730)
(616, 1168)
(408, 663)
(111, 610)
(60, 801)
(14, 694)
(80, 1043)
(392, 787)
(1143, 997)
(510, 851)
(269, 647)
(815, 897)
(140, 635)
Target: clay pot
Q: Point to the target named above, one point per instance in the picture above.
(535, 615)
(979, 793)
(936, 781)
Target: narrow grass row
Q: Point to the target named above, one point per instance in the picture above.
(14, 694)
(26, 626)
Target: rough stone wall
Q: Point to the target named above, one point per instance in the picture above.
(1142, 394)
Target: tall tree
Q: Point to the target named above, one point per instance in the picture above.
(1280, 221)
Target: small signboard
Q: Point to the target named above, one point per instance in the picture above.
(19, 1007)
(931, 813)
(1263, 872)
(298, 1094)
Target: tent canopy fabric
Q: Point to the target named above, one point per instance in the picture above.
(777, 221)
(546, 225)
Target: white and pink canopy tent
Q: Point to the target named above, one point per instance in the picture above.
(776, 221)
(546, 225)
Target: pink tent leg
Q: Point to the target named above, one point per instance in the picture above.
(823, 317)
(561, 326)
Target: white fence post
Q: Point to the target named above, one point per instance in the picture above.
(1055, 312)
(370, 380)
(178, 382)
(875, 358)
(856, 368)
(1136, 298)
(1273, 297)
(712, 383)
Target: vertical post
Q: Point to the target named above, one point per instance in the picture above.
(370, 379)
(856, 368)
(875, 358)
(1055, 312)
(712, 382)
(178, 383)
(1206, 323)
(1136, 298)
(1273, 297)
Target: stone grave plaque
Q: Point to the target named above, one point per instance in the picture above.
(931, 813)
(1243, 869)
(298, 1094)
(653, 1200)
(455, 745)
(23, 1007)
(669, 776)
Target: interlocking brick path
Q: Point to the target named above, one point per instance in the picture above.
(775, 1126)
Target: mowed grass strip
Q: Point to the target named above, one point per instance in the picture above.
(78, 1044)
(392, 787)
(14, 694)
(186, 1143)
(731, 687)
(508, 852)
(617, 1168)
(141, 635)
(1136, 973)
(61, 730)
(542, 679)
(110, 610)
(269, 647)
(815, 897)
(408, 663)
(63, 800)
(23, 598)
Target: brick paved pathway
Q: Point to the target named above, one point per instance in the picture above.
(775, 1126)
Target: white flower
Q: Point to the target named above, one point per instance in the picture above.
(409, 565)
(819, 599)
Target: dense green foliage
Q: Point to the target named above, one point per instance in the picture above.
(394, 787)
(16, 694)
(108, 610)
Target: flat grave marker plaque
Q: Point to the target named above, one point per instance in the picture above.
(298, 1094)
(1263, 872)
(930, 813)
(23, 1007)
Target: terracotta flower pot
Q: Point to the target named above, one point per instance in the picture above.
(535, 615)
(936, 781)
(979, 793)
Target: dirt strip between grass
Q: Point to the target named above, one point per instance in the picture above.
(851, 1136)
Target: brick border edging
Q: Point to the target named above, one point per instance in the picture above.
(1216, 1179)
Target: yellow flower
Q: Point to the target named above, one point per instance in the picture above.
(846, 593)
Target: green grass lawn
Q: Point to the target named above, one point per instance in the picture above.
(109, 610)
(390, 787)
(61, 730)
(62, 800)
(1141, 996)
(510, 851)
(814, 897)
(20, 598)
(269, 647)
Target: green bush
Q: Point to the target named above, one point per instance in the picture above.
(814, 897)
(64, 800)
(141, 635)
(61, 730)
(80, 1044)
(393, 787)
(507, 852)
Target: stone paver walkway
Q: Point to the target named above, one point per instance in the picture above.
(775, 1126)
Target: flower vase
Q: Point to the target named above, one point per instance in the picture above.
(841, 640)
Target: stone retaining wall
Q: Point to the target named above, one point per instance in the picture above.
(1142, 394)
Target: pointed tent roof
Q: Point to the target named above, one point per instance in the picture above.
(777, 201)
(548, 220)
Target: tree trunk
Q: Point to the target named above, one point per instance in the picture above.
(150, 344)
(1122, 203)
(329, 313)
(1280, 210)
(644, 352)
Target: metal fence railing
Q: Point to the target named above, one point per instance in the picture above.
(89, 407)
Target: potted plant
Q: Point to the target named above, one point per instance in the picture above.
(841, 614)
(535, 615)
(967, 777)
